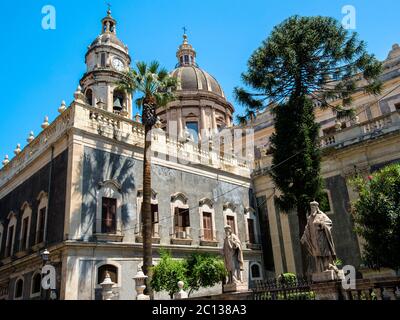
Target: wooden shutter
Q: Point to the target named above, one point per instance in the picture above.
(10, 239)
(24, 233)
(185, 217)
(207, 226)
(231, 222)
(42, 219)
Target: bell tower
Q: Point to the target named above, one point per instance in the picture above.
(106, 60)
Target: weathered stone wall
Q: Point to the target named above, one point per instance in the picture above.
(29, 191)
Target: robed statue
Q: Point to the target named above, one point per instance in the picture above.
(317, 238)
(233, 256)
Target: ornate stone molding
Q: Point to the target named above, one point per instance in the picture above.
(229, 205)
(179, 196)
(113, 183)
(206, 201)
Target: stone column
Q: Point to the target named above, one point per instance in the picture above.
(180, 123)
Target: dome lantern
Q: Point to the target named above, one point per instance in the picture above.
(186, 54)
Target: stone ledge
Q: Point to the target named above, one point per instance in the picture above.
(253, 246)
(185, 242)
(154, 240)
(209, 243)
(109, 237)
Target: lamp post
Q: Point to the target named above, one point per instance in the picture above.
(48, 277)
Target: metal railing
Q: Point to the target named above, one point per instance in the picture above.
(279, 289)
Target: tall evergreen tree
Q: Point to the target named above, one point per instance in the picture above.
(305, 59)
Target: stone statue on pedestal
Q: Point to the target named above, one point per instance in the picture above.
(233, 256)
(318, 240)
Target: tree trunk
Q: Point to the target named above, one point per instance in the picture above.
(146, 211)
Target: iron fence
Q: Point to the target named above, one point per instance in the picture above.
(283, 289)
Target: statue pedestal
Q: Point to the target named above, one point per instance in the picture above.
(326, 276)
(235, 287)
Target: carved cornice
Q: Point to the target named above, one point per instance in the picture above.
(113, 183)
(179, 196)
(229, 205)
(206, 201)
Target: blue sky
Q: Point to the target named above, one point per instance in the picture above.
(40, 68)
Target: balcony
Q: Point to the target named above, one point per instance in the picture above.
(368, 130)
(208, 238)
(181, 236)
(114, 235)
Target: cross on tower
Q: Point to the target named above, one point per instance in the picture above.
(184, 30)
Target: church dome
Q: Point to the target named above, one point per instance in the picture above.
(192, 78)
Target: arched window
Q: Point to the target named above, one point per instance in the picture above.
(10, 243)
(112, 271)
(154, 215)
(181, 219)
(255, 271)
(36, 284)
(108, 216)
(230, 216)
(25, 227)
(41, 224)
(118, 101)
(207, 223)
(252, 232)
(19, 288)
(89, 96)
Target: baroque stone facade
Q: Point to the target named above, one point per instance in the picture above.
(355, 146)
(76, 189)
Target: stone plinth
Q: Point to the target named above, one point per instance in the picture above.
(326, 276)
(235, 287)
(328, 290)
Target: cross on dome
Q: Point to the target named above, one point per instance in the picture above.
(186, 54)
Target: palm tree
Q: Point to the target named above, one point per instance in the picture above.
(154, 88)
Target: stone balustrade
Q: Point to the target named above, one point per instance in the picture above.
(113, 126)
(357, 133)
(371, 129)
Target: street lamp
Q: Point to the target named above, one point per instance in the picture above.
(45, 256)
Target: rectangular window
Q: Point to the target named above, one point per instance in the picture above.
(24, 237)
(231, 222)
(250, 225)
(109, 215)
(42, 220)
(9, 249)
(193, 128)
(207, 226)
(154, 213)
(182, 221)
(103, 60)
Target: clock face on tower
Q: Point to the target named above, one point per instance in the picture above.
(118, 64)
